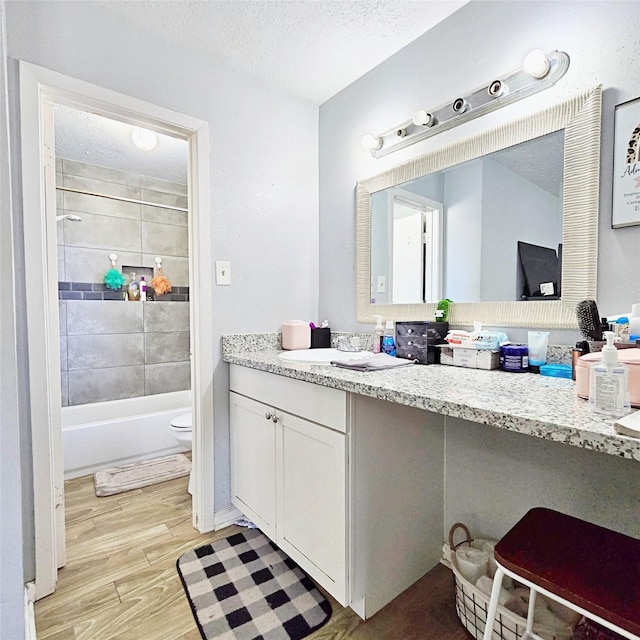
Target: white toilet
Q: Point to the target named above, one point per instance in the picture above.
(181, 427)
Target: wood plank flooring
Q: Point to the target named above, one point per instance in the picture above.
(120, 581)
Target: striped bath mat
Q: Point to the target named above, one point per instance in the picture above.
(244, 588)
(141, 474)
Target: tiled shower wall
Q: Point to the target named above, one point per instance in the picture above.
(109, 348)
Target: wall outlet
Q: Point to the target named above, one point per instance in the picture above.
(382, 284)
(223, 272)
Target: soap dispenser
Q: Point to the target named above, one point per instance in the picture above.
(609, 382)
(378, 334)
(389, 340)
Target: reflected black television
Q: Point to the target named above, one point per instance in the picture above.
(539, 265)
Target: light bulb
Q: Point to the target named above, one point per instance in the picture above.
(536, 63)
(371, 142)
(144, 139)
(423, 118)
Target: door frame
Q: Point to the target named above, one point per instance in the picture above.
(39, 86)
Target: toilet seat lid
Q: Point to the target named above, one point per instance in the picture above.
(183, 421)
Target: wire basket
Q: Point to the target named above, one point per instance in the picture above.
(472, 604)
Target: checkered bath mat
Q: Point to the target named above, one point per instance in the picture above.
(244, 588)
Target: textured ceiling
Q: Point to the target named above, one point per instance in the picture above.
(309, 48)
(87, 137)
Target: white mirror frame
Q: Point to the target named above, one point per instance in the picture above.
(580, 118)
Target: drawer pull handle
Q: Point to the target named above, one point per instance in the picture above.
(269, 416)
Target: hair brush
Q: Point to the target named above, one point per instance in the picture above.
(589, 320)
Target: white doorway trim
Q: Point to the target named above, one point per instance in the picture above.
(39, 86)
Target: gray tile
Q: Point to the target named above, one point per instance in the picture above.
(58, 164)
(103, 232)
(102, 187)
(103, 351)
(59, 195)
(60, 228)
(84, 170)
(157, 197)
(62, 317)
(166, 347)
(151, 213)
(100, 385)
(103, 317)
(164, 186)
(163, 378)
(61, 270)
(165, 317)
(64, 389)
(82, 203)
(63, 353)
(91, 265)
(165, 240)
(175, 269)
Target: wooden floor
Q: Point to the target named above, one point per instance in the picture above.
(120, 580)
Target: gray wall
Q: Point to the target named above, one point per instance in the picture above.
(455, 57)
(263, 178)
(110, 350)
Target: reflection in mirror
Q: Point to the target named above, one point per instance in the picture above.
(473, 248)
(485, 230)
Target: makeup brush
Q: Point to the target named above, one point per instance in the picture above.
(589, 320)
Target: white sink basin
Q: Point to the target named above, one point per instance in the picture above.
(323, 356)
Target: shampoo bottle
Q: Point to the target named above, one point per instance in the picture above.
(378, 334)
(133, 290)
(389, 340)
(143, 289)
(609, 382)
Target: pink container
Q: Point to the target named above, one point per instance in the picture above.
(630, 357)
(296, 334)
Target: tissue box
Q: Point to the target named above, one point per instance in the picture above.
(471, 358)
(418, 340)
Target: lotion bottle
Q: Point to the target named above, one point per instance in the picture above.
(389, 340)
(378, 334)
(143, 289)
(609, 382)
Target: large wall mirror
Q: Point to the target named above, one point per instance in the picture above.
(505, 224)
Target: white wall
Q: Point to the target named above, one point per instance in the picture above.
(12, 575)
(463, 232)
(513, 209)
(455, 57)
(264, 172)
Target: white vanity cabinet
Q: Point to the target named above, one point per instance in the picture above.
(289, 444)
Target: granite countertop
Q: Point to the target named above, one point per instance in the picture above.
(527, 403)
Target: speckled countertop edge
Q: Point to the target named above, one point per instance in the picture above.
(531, 404)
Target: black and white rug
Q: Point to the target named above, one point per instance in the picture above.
(245, 588)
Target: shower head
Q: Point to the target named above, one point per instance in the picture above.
(69, 217)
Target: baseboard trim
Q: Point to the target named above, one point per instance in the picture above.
(225, 517)
(29, 612)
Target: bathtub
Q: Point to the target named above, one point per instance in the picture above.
(108, 434)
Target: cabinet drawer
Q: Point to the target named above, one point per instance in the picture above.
(319, 404)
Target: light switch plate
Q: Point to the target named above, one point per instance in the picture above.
(223, 272)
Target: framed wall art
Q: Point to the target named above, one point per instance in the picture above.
(626, 165)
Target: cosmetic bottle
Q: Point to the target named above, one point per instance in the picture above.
(634, 323)
(133, 290)
(389, 340)
(143, 289)
(378, 334)
(609, 382)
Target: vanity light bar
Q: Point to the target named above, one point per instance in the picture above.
(539, 72)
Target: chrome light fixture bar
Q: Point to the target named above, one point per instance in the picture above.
(539, 71)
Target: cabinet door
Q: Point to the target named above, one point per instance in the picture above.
(312, 500)
(253, 450)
